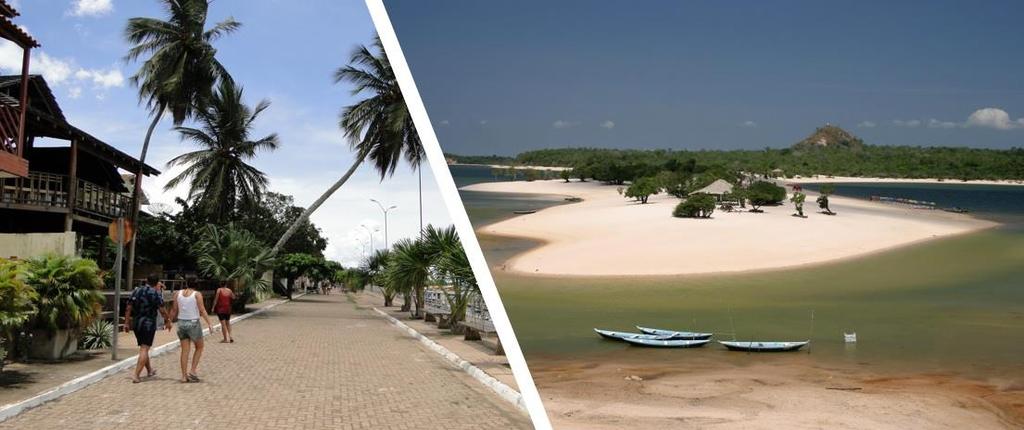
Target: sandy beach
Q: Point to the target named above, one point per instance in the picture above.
(785, 393)
(608, 235)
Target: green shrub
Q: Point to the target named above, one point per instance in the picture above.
(97, 335)
(17, 299)
(642, 189)
(762, 193)
(68, 289)
(695, 206)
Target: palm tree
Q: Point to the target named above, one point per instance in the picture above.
(236, 256)
(376, 267)
(452, 266)
(220, 181)
(179, 75)
(378, 127)
(409, 269)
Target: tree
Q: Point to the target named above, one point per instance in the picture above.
(453, 269)
(825, 191)
(273, 216)
(798, 202)
(378, 127)
(179, 75)
(221, 182)
(565, 175)
(292, 267)
(762, 193)
(235, 256)
(376, 269)
(696, 206)
(17, 299)
(642, 189)
(408, 269)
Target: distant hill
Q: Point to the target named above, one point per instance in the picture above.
(830, 136)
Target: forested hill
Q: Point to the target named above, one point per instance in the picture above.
(839, 154)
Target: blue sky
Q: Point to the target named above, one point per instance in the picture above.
(286, 51)
(503, 77)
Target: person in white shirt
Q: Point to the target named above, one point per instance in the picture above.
(188, 308)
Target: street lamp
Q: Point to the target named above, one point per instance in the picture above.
(385, 211)
(370, 234)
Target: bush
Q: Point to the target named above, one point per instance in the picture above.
(17, 299)
(763, 193)
(696, 206)
(68, 289)
(97, 335)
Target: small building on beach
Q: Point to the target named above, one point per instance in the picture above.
(718, 189)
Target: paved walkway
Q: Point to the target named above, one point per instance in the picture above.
(316, 363)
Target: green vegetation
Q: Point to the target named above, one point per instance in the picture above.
(97, 335)
(763, 193)
(234, 256)
(565, 175)
(486, 160)
(695, 206)
(642, 189)
(828, 151)
(221, 182)
(68, 291)
(17, 299)
(825, 191)
(798, 202)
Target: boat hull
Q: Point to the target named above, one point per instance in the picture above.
(621, 335)
(668, 343)
(754, 346)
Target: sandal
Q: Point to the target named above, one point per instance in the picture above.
(193, 378)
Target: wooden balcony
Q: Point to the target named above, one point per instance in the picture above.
(46, 192)
(11, 161)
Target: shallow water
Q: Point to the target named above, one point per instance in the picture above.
(950, 305)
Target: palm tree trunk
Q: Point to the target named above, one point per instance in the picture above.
(137, 196)
(419, 170)
(406, 302)
(309, 211)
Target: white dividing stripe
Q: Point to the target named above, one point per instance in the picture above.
(457, 211)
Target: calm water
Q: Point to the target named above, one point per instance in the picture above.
(949, 305)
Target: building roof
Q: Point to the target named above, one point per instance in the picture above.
(7, 10)
(11, 31)
(45, 119)
(719, 187)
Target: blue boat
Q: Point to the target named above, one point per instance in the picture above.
(678, 335)
(668, 343)
(754, 346)
(621, 335)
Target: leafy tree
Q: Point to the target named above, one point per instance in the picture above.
(798, 202)
(696, 206)
(825, 191)
(379, 126)
(376, 269)
(452, 268)
(762, 193)
(221, 182)
(409, 269)
(179, 75)
(565, 175)
(642, 189)
(274, 214)
(294, 266)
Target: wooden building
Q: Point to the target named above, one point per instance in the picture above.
(12, 113)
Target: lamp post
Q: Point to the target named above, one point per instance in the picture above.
(385, 211)
(370, 234)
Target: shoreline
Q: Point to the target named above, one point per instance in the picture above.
(774, 393)
(860, 180)
(504, 166)
(653, 243)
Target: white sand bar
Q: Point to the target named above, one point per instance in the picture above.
(608, 235)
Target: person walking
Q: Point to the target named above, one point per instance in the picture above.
(188, 308)
(146, 302)
(222, 307)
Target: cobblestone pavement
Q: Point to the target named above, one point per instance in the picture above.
(316, 363)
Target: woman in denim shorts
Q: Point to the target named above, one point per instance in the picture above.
(188, 308)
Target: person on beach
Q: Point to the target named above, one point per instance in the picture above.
(188, 308)
(222, 307)
(146, 302)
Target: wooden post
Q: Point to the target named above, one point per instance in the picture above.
(69, 219)
(24, 99)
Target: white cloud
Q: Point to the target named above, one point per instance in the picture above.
(906, 123)
(993, 118)
(75, 92)
(608, 124)
(101, 78)
(91, 7)
(563, 124)
(867, 124)
(748, 124)
(934, 123)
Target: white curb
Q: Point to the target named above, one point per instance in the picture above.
(502, 390)
(13, 409)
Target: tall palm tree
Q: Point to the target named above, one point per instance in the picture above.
(220, 181)
(236, 256)
(179, 75)
(379, 127)
(451, 264)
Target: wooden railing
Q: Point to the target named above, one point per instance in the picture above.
(9, 129)
(51, 191)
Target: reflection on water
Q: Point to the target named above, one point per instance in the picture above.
(953, 304)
